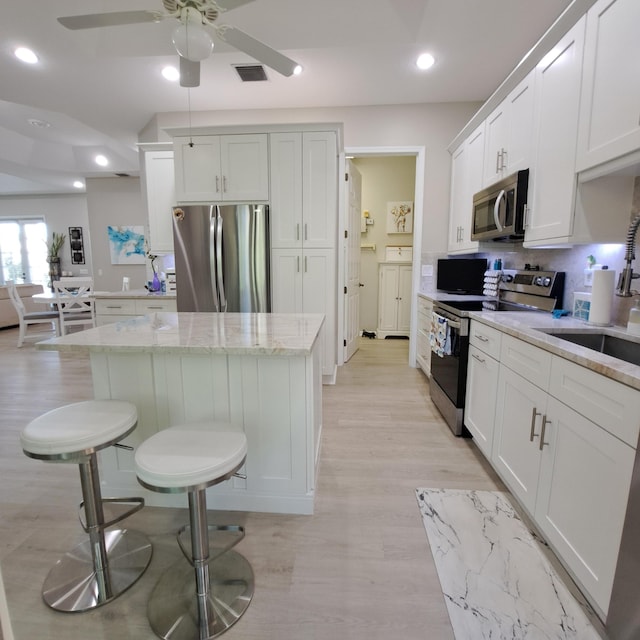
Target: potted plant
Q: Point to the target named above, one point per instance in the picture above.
(53, 249)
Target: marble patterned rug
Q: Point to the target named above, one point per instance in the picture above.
(496, 580)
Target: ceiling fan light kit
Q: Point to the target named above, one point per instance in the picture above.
(191, 37)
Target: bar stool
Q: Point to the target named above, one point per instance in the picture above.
(201, 598)
(108, 563)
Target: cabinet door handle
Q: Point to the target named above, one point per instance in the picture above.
(545, 422)
(224, 184)
(298, 263)
(478, 358)
(504, 160)
(298, 231)
(305, 264)
(305, 231)
(532, 434)
(217, 184)
(497, 161)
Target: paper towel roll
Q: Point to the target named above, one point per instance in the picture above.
(602, 297)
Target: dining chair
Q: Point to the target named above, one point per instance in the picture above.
(75, 303)
(27, 318)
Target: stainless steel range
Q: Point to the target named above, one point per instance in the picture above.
(525, 290)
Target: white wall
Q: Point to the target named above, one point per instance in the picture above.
(114, 202)
(59, 212)
(433, 126)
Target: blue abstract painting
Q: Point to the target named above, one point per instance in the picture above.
(126, 244)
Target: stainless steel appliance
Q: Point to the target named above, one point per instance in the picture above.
(222, 257)
(498, 210)
(526, 290)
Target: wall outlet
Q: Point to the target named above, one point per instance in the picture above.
(427, 270)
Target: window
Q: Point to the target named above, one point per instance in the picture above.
(23, 251)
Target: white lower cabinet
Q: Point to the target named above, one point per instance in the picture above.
(110, 310)
(394, 300)
(571, 474)
(482, 385)
(423, 350)
(303, 282)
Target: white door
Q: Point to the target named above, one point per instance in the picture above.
(352, 261)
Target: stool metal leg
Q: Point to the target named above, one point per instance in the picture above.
(184, 608)
(102, 567)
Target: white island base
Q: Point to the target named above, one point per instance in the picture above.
(259, 372)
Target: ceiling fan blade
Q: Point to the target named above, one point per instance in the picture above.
(93, 20)
(228, 5)
(256, 49)
(189, 73)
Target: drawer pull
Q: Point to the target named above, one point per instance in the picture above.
(114, 306)
(481, 337)
(478, 358)
(156, 307)
(532, 434)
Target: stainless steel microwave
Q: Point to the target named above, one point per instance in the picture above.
(498, 210)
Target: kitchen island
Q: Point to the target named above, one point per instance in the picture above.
(260, 372)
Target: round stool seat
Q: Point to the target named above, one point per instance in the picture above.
(78, 428)
(183, 458)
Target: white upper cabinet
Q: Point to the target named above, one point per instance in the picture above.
(466, 179)
(160, 198)
(507, 146)
(610, 115)
(225, 168)
(552, 181)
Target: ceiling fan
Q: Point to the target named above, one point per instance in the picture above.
(191, 37)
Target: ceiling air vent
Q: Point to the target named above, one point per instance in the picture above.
(123, 175)
(251, 72)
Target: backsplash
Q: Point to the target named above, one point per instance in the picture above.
(572, 261)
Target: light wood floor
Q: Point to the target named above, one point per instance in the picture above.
(359, 568)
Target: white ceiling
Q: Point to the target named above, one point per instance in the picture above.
(99, 87)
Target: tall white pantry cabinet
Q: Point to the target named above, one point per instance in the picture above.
(304, 229)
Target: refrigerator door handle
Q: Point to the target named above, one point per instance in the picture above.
(212, 257)
(223, 299)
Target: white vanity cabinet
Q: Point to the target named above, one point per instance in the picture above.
(610, 115)
(482, 384)
(467, 163)
(304, 218)
(394, 299)
(552, 180)
(564, 443)
(159, 188)
(508, 134)
(423, 349)
(222, 168)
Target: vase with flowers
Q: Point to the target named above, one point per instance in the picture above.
(156, 285)
(53, 257)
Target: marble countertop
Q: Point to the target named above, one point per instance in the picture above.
(133, 294)
(530, 327)
(272, 334)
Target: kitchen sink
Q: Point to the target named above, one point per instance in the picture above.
(613, 346)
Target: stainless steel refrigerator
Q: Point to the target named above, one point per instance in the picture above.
(222, 257)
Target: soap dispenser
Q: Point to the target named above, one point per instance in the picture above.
(633, 325)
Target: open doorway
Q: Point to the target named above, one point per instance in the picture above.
(390, 177)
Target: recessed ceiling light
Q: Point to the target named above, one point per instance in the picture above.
(297, 71)
(101, 160)
(425, 61)
(171, 73)
(41, 124)
(78, 184)
(26, 55)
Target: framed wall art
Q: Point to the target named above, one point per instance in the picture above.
(126, 244)
(76, 245)
(399, 217)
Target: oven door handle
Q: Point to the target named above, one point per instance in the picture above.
(454, 324)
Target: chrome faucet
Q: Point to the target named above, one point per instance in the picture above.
(627, 275)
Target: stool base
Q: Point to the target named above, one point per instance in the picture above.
(73, 585)
(173, 605)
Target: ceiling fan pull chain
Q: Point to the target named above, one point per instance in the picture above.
(189, 106)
